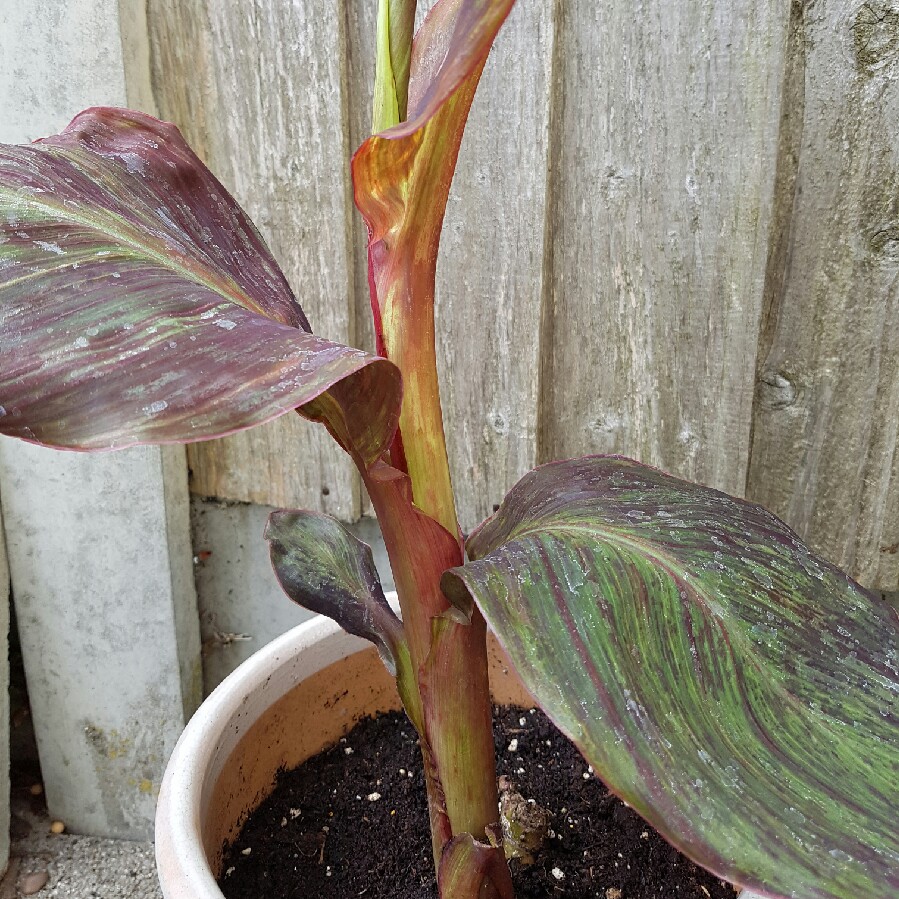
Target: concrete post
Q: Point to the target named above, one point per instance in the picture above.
(98, 545)
(99, 554)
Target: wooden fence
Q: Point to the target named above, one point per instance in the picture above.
(674, 234)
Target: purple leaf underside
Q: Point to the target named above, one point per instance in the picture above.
(325, 568)
(737, 691)
(138, 303)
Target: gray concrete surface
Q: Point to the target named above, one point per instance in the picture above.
(77, 867)
(58, 58)
(99, 546)
(107, 623)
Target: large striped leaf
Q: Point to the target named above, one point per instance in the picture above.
(737, 691)
(138, 304)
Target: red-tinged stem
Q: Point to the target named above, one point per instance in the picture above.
(402, 258)
(470, 870)
(401, 185)
(402, 280)
(453, 711)
(456, 701)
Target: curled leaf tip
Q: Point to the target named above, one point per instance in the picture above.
(140, 305)
(323, 567)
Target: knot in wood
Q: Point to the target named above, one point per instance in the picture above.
(775, 390)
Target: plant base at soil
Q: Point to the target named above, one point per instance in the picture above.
(353, 822)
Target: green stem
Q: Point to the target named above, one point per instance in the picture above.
(449, 703)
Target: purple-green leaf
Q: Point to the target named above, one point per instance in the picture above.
(737, 691)
(138, 304)
(325, 568)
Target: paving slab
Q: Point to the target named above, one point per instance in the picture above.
(77, 867)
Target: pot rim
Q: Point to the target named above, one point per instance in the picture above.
(209, 737)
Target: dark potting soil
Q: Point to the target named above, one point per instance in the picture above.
(353, 821)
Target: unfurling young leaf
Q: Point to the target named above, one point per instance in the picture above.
(737, 691)
(325, 568)
(396, 22)
(401, 179)
(138, 304)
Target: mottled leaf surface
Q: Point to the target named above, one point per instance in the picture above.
(138, 304)
(737, 691)
(325, 568)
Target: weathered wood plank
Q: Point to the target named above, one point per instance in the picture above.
(492, 252)
(825, 454)
(258, 89)
(666, 128)
(361, 25)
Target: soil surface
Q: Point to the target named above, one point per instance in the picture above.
(353, 821)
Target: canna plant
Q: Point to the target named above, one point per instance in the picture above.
(737, 691)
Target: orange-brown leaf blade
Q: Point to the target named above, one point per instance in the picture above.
(402, 179)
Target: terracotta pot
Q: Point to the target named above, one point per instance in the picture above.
(289, 701)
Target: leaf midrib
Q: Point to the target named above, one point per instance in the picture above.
(142, 250)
